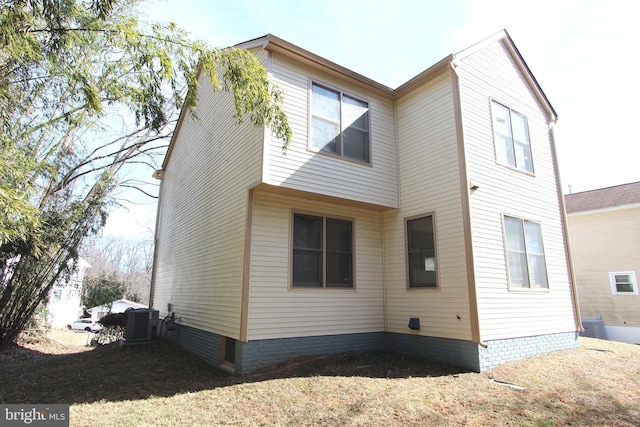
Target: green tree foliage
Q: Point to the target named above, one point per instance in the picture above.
(101, 290)
(87, 90)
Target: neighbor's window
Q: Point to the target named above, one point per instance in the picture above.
(339, 124)
(624, 283)
(322, 252)
(525, 254)
(511, 133)
(421, 253)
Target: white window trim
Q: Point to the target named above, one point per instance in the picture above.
(634, 282)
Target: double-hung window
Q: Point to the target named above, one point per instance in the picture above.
(322, 252)
(339, 124)
(421, 253)
(511, 134)
(623, 283)
(525, 254)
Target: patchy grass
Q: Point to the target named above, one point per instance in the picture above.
(161, 385)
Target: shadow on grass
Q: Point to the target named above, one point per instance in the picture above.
(114, 373)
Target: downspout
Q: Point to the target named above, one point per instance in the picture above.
(466, 209)
(159, 174)
(565, 232)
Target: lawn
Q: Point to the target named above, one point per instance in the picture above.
(161, 385)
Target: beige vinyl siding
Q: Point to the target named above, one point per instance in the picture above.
(305, 170)
(275, 310)
(201, 228)
(429, 183)
(602, 242)
(491, 73)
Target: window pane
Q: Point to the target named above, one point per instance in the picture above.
(520, 128)
(307, 250)
(355, 113)
(518, 275)
(420, 234)
(339, 269)
(324, 135)
(516, 254)
(533, 234)
(623, 283)
(515, 235)
(535, 252)
(326, 104)
(537, 271)
(421, 252)
(307, 232)
(339, 235)
(521, 142)
(356, 144)
(307, 267)
(339, 252)
(503, 137)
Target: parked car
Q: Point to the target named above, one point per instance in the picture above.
(85, 325)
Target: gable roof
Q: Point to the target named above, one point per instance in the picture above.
(602, 198)
(273, 43)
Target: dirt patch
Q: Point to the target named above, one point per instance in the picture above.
(160, 384)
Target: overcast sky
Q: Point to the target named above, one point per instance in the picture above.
(583, 54)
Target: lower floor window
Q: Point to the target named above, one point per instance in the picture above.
(525, 253)
(624, 282)
(421, 253)
(322, 252)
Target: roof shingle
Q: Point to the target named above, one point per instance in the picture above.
(619, 195)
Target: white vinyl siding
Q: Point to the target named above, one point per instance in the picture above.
(602, 242)
(429, 183)
(302, 169)
(201, 227)
(492, 74)
(279, 311)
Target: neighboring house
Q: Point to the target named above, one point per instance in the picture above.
(118, 306)
(63, 303)
(426, 220)
(604, 231)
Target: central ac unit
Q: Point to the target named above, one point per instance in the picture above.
(142, 324)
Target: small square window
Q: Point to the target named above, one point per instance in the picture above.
(623, 283)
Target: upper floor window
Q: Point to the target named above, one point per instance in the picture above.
(624, 283)
(525, 253)
(421, 253)
(339, 124)
(511, 134)
(322, 252)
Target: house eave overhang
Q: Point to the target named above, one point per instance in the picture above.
(275, 44)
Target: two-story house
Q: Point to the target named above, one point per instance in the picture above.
(426, 220)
